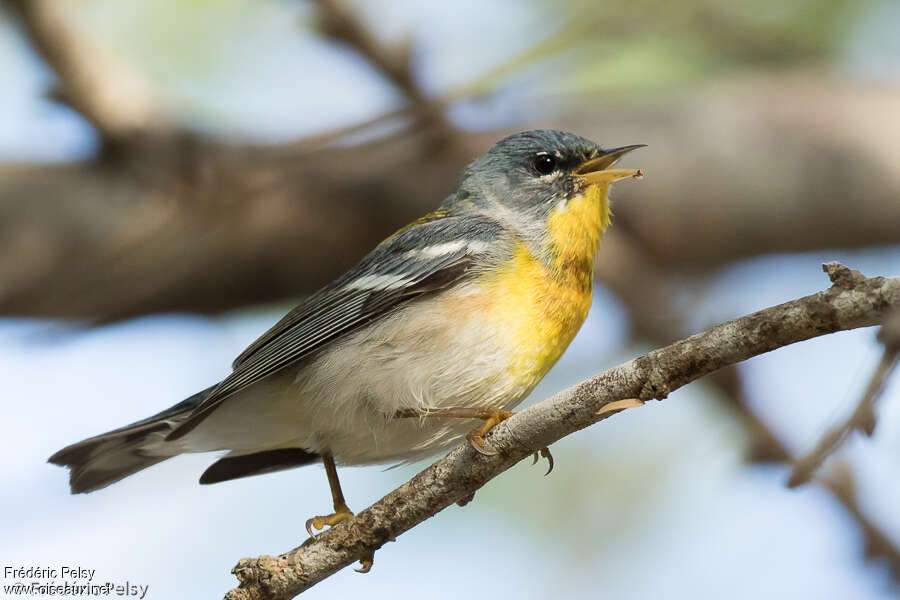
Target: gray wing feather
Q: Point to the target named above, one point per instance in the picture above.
(340, 307)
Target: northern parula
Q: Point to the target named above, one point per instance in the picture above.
(456, 316)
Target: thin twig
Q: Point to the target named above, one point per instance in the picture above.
(341, 23)
(579, 29)
(842, 484)
(853, 301)
(862, 418)
(768, 448)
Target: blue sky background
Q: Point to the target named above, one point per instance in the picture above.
(655, 502)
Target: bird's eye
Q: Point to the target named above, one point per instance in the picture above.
(544, 163)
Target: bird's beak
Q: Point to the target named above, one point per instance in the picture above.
(596, 171)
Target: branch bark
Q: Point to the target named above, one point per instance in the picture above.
(852, 301)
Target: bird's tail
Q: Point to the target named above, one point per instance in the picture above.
(96, 462)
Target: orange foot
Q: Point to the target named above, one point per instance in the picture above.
(342, 513)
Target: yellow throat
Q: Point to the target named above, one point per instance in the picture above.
(539, 307)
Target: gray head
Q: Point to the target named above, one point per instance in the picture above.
(528, 173)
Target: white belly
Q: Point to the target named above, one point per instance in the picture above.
(343, 400)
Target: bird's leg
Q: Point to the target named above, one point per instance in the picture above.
(341, 511)
(491, 417)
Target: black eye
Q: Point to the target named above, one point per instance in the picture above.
(544, 163)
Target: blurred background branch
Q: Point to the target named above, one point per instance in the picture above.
(114, 97)
(877, 545)
(766, 137)
(249, 216)
(862, 419)
(395, 63)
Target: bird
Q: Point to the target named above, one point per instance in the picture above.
(452, 319)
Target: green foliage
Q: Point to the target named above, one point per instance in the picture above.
(652, 43)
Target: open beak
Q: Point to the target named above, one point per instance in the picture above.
(597, 172)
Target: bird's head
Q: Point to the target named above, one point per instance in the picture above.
(527, 177)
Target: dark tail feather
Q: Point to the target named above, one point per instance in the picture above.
(267, 461)
(96, 462)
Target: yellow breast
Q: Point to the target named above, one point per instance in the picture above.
(540, 306)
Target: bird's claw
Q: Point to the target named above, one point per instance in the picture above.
(477, 442)
(365, 563)
(491, 419)
(311, 523)
(322, 521)
(543, 452)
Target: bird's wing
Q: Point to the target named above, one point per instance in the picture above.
(427, 257)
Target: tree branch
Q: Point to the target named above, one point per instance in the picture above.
(116, 99)
(853, 301)
(862, 419)
(842, 485)
(645, 289)
(394, 63)
(839, 482)
(339, 22)
(189, 224)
